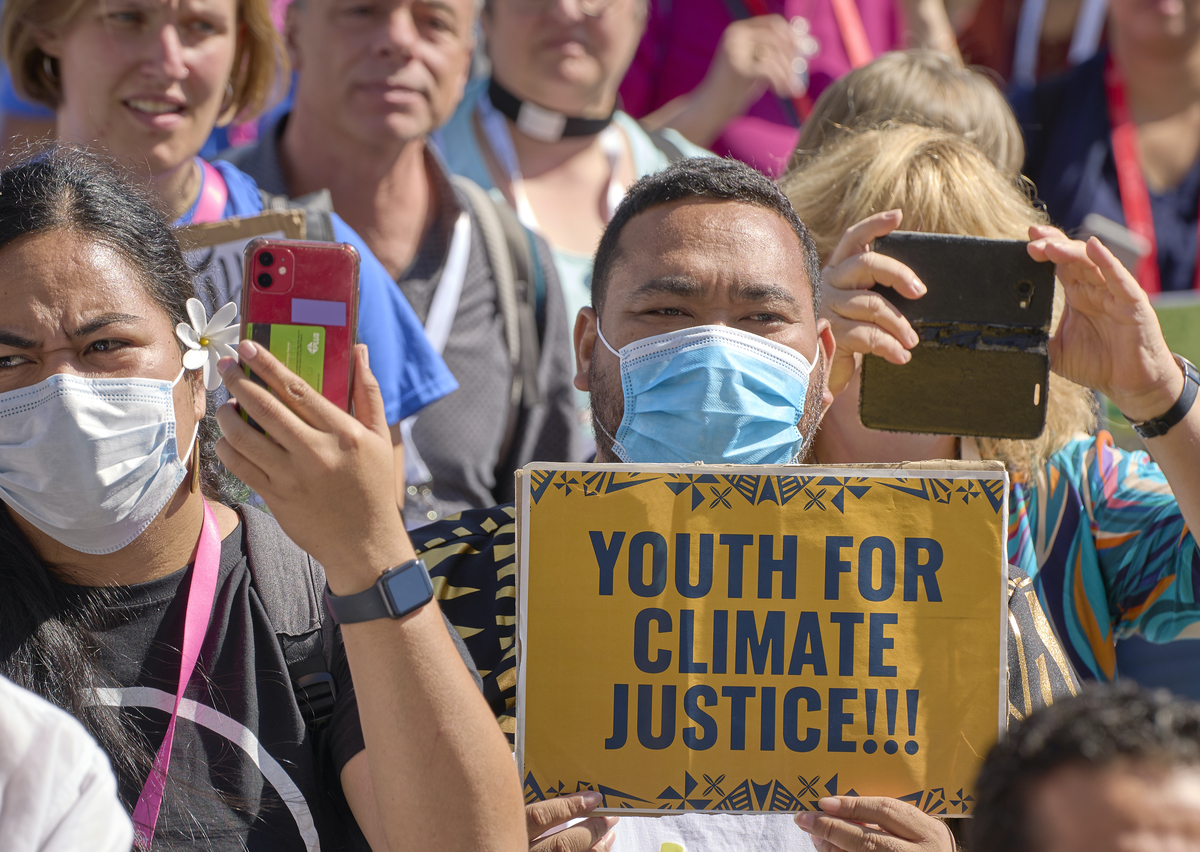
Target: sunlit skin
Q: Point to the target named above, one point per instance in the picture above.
(561, 58)
(1156, 46)
(1168, 24)
(68, 307)
(1122, 808)
(374, 81)
(381, 73)
(699, 262)
(146, 80)
(566, 61)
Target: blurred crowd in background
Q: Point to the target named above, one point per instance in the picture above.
(476, 152)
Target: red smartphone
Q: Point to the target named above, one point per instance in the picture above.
(300, 301)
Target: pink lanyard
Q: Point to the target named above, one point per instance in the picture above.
(214, 195)
(195, 626)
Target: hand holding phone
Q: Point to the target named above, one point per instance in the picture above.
(861, 321)
(300, 303)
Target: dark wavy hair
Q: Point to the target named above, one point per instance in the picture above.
(47, 644)
(1102, 726)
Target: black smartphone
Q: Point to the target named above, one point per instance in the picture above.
(982, 366)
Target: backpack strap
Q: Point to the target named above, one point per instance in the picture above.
(291, 585)
(512, 260)
(317, 207)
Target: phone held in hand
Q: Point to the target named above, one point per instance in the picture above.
(982, 366)
(300, 302)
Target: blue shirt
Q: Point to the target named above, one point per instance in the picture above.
(1069, 157)
(410, 374)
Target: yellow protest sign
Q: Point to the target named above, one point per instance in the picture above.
(751, 639)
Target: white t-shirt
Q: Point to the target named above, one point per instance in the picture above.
(712, 832)
(57, 790)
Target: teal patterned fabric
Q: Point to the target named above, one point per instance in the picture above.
(1101, 534)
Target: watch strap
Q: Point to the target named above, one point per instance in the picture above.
(1158, 426)
(380, 600)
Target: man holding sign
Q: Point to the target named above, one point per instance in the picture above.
(709, 260)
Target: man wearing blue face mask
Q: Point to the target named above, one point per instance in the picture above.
(703, 344)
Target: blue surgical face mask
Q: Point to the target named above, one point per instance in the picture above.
(710, 394)
(90, 462)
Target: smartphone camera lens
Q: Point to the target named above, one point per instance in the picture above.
(266, 258)
(1024, 292)
(264, 280)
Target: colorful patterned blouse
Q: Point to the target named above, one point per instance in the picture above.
(1101, 534)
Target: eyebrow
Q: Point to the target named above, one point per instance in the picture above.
(96, 323)
(771, 293)
(669, 286)
(686, 287)
(16, 341)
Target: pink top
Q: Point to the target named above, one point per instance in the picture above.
(682, 37)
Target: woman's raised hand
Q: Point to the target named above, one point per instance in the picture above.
(326, 476)
(864, 322)
(1108, 338)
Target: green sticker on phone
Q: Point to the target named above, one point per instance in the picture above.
(300, 347)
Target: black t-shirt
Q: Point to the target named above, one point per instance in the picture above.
(245, 774)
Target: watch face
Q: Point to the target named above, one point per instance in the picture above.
(408, 589)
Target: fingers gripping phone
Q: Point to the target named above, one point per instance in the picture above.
(982, 366)
(300, 302)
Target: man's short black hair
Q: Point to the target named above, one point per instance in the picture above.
(1101, 726)
(701, 177)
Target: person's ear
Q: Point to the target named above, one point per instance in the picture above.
(49, 42)
(826, 346)
(195, 381)
(586, 324)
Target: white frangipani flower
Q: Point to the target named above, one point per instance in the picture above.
(207, 340)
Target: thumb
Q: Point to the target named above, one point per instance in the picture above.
(366, 396)
(542, 816)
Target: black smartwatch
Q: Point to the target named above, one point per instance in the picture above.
(1159, 426)
(397, 593)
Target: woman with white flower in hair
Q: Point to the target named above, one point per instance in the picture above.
(146, 83)
(136, 595)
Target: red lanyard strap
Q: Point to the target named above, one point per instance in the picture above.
(1131, 183)
(195, 626)
(854, 38)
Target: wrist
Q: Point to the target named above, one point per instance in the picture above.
(1155, 399)
(399, 591)
(1159, 424)
(356, 568)
(719, 98)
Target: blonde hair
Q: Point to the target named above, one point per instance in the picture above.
(260, 65)
(943, 184)
(917, 87)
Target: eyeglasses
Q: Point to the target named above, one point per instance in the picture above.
(591, 8)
